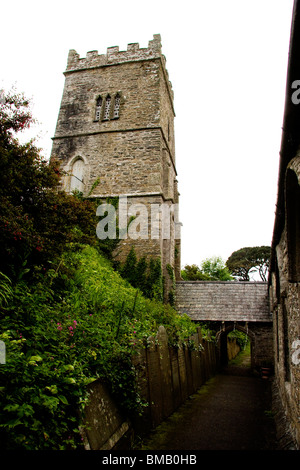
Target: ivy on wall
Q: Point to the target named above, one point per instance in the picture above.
(171, 273)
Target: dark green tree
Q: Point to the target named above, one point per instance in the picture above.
(146, 276)
(193, 273)
(248, 260)
(36, 218)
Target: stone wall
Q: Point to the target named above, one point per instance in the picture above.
(284, 279)
(232, 348)
(105, 424)
(285, 307)
(166, 376)
(260, 336)
(116, 128)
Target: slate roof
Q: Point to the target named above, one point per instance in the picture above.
(225, 301)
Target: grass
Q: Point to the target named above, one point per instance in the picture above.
(243, 359)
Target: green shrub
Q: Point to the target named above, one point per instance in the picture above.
(77, 322)
(67, 317)
(145, 276)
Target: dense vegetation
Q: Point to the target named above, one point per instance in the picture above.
(211, 269)
(79, 322)
(66, 316)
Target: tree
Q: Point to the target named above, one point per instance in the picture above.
(212, 269)
(215, 268)
(248, 260)
(36, 218)
(193, 273)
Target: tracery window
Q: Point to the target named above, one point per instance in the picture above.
(117, 106)
(98, 108)
(107, 108)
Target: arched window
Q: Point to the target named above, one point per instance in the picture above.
(98, 108)
(107, 108)
(77, 176)
(117, 106)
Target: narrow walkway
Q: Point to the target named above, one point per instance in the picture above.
(229, 412)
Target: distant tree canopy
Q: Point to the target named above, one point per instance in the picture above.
(248, 260)
(212, 269)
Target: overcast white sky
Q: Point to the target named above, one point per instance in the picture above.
(227, 62)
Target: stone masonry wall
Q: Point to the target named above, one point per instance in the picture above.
(129, 153)
(133, 152)
(232, 348)
(285, 307)
(166, 377)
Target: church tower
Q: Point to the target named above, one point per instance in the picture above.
(115, 138)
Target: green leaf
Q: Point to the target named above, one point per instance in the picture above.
(52, 389)
(69, 380)
(35, 359)
(11, 407)
(13, 423)
(63, 399)
(68, 367)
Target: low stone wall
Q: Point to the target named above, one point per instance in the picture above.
(166, 376)
(232, 348)
(105, 425)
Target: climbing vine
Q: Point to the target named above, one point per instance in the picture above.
(171, 274)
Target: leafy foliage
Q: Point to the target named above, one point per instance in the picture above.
(241, 338)
(67, 317)
(36, 219)
(212, 269)
(65, 330)
(249, 260)
(144, 275)
(193, 273)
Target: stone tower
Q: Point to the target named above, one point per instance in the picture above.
(115, 138)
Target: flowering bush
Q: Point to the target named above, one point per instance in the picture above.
(36, 219)
(66, 317)
(71, 326)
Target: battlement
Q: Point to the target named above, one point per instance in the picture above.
(114, 56)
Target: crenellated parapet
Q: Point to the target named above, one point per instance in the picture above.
(114, 56)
